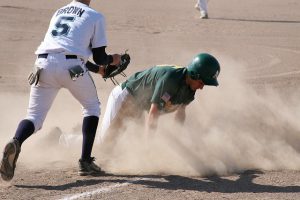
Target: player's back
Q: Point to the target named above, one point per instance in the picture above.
(72, 29)
(149, 77)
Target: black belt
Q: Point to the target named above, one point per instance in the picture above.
(45, 55)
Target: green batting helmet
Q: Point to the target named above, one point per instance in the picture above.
(204, 67)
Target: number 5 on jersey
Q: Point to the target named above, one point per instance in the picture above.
(62, 26)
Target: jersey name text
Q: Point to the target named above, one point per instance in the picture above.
(71, 10)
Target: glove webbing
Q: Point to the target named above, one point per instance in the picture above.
(115, 82)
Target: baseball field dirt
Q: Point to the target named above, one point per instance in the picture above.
(241, 140)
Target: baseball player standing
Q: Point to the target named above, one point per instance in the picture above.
(158, 90)
(201, 5)
(76, 32)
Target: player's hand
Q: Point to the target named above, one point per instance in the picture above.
(111, 71)
(151, 119)
(116, 59)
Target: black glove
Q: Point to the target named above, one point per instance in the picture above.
(111, 71)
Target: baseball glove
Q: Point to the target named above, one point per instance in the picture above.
(111, 71)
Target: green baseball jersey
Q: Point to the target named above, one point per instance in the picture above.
(164, 85)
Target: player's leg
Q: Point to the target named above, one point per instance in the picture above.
(84, 90)
(114, 104)
(203, 9)
(112, 122)
(119, 110)
(41, 98)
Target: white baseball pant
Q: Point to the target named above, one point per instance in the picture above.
(114, 103)
(53, 77)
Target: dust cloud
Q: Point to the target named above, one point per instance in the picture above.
(228, 129)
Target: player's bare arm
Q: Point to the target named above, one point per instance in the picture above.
(152, 118)
(180, 114)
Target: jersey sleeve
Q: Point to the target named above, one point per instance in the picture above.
(99, 36)
(164, 90)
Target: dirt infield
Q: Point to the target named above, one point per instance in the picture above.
(241, 139)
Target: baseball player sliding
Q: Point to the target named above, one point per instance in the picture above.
(158, 90)
(76, 32)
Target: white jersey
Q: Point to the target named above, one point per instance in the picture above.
(74, 30)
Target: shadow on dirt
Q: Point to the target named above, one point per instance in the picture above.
(217, 184)
(209, 184)
(76, 184)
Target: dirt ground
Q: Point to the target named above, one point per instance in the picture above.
(240, 141)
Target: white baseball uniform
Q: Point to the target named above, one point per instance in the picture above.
(74, 30)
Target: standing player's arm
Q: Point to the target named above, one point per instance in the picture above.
(95, 68)
(101, 59)
(152, 118)
(180, 114)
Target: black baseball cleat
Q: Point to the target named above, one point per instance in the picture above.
(88, 167)
(9, 159)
